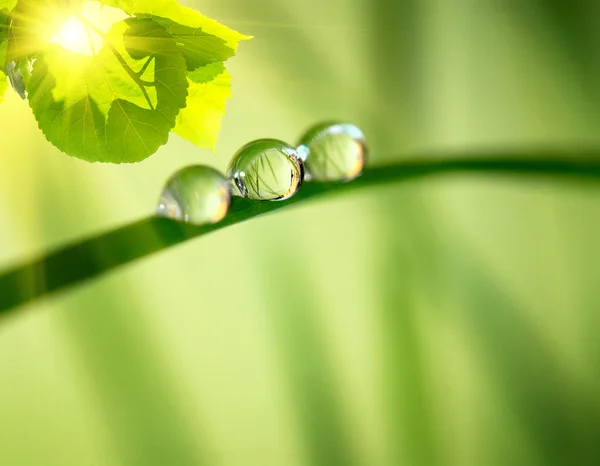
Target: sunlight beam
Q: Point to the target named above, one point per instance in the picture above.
(73, 35)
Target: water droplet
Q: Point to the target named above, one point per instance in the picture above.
(267, 169)
(333, 152)
(197, 195)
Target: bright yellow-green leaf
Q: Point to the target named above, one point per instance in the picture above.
(102, 77)
(108, 80)
(100, 108)
(200, 121)
(199, 48)
(7, 5)
(4, 29)
(182, 15)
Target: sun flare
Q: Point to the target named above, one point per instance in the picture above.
(78, 37)
(74, 37)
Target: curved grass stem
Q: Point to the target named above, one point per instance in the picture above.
(93, 257)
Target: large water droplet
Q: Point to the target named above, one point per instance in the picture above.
(333, 152)
(267, 169)
(197, 195)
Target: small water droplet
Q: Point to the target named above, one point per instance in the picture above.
(197, 195)
(333, 152)
(267, 169)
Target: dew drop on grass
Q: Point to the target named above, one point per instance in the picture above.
(333, 152)
(197, 194)
(267, 169)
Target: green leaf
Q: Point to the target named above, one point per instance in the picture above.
(115, 93)
(31, 24)
(4, 26)
(16, 78)
(200, 121)
(179, 14)
(206, 73)
(198, 47)
(12, 72)
(7, 5)
(100, 108)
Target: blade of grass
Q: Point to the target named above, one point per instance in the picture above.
(562, 416)
(307, 368)
(121, 364)
(571, 28)
(397, 77)
(98, 255)
(410, 418)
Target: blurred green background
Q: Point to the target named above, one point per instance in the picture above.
(449, 321)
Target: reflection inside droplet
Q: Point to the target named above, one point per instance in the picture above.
(267, 169)
(197, 195)
(333, 152)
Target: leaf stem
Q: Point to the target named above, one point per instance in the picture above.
(90, 258)
(141, 84)
(145, 67)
